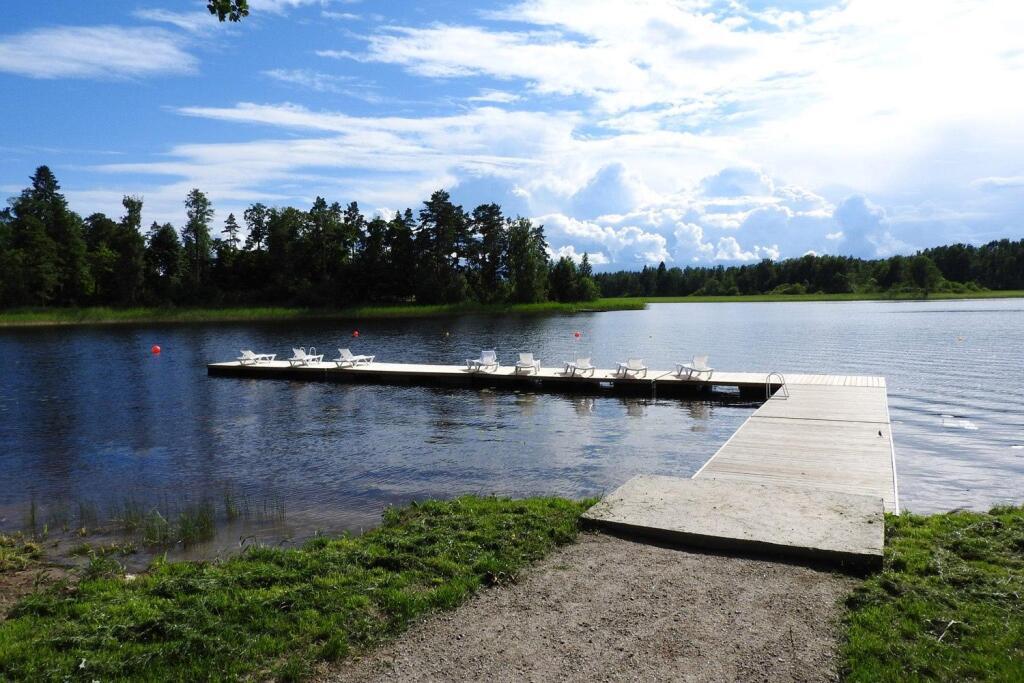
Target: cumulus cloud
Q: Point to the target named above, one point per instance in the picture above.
(866, 229)
(94, 52)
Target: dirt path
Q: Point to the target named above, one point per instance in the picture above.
(608, 609)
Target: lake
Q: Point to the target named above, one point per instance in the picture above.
(89, 414)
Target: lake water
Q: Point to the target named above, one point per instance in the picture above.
(88, 414)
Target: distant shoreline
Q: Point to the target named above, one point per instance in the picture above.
(137, 315)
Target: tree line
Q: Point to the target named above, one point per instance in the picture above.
(326, 256)
(998, 265)
(333, 256)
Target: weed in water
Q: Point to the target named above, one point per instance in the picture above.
(88, 516)
(30, 518)
(156, 530)
(196, 523)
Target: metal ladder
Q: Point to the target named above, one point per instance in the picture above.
(783, 392)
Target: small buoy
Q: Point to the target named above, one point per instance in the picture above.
(155, 349)
(355, 333)
(577, 334)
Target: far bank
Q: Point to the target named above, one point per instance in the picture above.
(106, 315)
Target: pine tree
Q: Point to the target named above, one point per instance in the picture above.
(196, 243)
(441, 243)
(256, 219)
(488, 260)
(231, 229)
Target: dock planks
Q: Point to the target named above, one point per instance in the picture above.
(833, 437)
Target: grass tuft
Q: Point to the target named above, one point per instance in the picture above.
(17, 553)
(948, 605)
(276, 612)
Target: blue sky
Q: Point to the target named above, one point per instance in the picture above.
(689, 131)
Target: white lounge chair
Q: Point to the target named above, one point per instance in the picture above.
(580, 365)
(487, 359)
(527, 362)
(633, 366)
(253, 358)
(301, 357)
(346, 356)
(694, 369)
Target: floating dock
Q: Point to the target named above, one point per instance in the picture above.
(656, 382)
(810, 474)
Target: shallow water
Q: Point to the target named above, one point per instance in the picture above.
(90, 414)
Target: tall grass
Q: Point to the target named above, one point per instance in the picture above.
(104, 315)
(97, 315)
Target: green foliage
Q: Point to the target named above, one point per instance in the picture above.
(230, 10)
(273, 612)
(957, 268)
(948, 603)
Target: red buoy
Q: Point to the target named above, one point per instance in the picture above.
(577, 334)
(355, 333)
(155, 349)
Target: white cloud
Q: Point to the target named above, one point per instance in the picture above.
(193, 22)
(94, 52)
(305, 78)
(495, 96)
(998, 182)
(596, 258)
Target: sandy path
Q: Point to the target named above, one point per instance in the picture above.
(610, 609)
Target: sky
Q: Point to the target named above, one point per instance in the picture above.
(692, 132)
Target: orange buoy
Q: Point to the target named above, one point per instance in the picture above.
(155, 349)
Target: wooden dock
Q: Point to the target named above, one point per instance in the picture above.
(835, 437)
(810, 473)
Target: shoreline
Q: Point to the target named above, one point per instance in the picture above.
(436, 571)
(155, 315)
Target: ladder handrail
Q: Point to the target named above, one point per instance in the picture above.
(783, 391)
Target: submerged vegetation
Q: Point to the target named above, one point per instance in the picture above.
(948, 605)
(275, 612)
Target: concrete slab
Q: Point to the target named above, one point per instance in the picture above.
(784, 521)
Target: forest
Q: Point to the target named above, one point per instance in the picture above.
(998, 265)
(330, 256)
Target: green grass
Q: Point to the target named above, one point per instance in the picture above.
(276, 612)
(104, 315)
(17, 553)
(948, 605)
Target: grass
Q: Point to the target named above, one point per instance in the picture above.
(277, 612)
(948, 605)
(103, 315)
(17, 553)
(139, 315)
